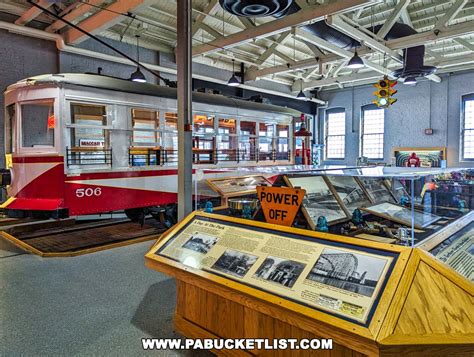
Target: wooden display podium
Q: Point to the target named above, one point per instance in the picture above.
(417, 305)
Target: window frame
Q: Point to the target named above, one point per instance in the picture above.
(157, 132)
(363, 109)
(336, 110)
(19, 128)
(462, 128)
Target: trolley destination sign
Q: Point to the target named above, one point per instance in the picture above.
(280, 204)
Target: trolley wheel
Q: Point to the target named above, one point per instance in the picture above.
(136, 215)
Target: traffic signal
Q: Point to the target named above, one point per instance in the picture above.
(384, 92)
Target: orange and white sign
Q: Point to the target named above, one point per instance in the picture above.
(280, 204)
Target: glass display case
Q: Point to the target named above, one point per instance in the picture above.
(391, 205)
(400, 206)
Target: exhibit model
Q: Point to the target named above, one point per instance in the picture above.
(104, 144)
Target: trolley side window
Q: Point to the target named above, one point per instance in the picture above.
(145, 150)
(265, 141)
(89, 135)
(145, 124)
(170, 138)
(247, 140)
(37, 124)
(282, 142)
(227, 140)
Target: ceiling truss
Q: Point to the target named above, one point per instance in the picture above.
(279, 50)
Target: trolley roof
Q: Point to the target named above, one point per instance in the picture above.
(123, 85)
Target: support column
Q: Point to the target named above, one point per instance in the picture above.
(184, 62)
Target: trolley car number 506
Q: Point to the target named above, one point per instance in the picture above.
(88, 192)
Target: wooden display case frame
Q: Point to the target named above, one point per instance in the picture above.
(440, 236)
(421, 311)
(262, 299)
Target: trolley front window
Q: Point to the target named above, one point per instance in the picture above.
(9, 138)
(37, 124)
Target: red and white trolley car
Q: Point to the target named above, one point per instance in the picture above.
(80, 144)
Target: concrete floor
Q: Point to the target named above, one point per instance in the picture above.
(98, 304)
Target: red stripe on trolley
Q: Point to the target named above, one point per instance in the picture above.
(37, 159)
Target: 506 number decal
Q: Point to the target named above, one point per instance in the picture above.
(88, 192)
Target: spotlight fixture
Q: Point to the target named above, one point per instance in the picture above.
(233, 81)
(355, 62)
(138, 76)
(411, 81)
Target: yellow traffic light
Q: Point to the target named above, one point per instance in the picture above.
(384, 92)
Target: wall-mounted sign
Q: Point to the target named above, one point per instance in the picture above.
(87, 143)
(280, 204)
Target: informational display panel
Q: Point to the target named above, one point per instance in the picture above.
(237, 186)
(349, 191)
(377, 189)
(401, 214)
(341, 279)
(319, 200)
(457, 251)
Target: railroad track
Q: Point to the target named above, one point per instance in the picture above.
(70, 238)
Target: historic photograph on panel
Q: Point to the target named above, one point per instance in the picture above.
(349, 271)
(200, 243)
(281, 271)
(351, 194)
(377, 190)
(402, 214)
(319, 200)
(234, 263)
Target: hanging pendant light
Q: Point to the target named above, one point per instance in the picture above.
(355, 62)
(138, 76)
(233, 81)
(411, 81)
(301, 95)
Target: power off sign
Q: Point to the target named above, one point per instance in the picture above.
(280, 204)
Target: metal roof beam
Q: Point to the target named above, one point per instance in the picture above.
(33, 12)
(74, 14)
(394, 16)
(103, 19)
(317, 41)
(465, 43)
(338, 23)
(210, 7)
(450, 13)
(314, 13)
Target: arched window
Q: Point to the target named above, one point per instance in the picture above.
(372, 131)
(467, 127)
(335, 133)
